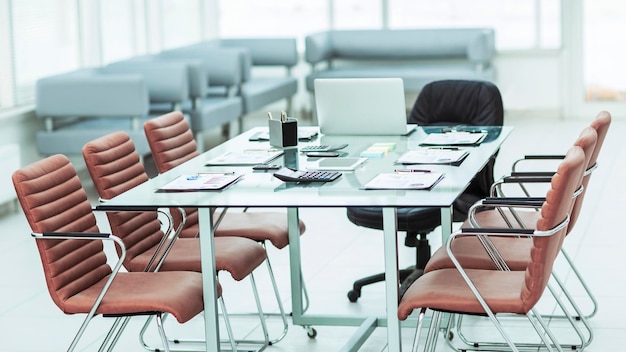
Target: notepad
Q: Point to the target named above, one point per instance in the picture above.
(200, 182)
(245, 157)
(404, 180)
(454, 138)
(433, 156)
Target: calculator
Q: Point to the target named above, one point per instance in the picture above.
(289, 175)
(322, 148)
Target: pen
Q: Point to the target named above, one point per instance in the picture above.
(443, 148)
(217, 173)
(283, 116)
(411, 170)
(269, 114)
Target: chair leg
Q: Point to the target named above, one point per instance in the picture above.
(579, 277)
(111, 339)
(418, 329)
(159, 322)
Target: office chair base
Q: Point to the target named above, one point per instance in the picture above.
(407, 276)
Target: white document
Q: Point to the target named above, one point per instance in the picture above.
(454, 138)
(404, 180)
(246, 157)
(432, 156)
(200, 182)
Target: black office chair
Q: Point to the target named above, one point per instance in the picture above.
(459, 104)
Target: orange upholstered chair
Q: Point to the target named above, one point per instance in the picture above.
(75, 266)
(470, 251)
(171, 142)
(491, 292)
(115, 167)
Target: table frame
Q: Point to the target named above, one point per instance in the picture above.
(130, 201)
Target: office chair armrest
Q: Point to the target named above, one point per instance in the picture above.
(520, 179)
(484, 233)
(510, 203)
(70, 235)
(91, 236)
(536, 157)
(167, 241)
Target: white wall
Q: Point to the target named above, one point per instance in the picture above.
(530, 81)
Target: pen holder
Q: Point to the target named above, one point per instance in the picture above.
(283, 133)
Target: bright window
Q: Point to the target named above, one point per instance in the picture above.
(519, 24)
(45, 39)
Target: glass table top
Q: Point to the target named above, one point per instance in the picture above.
(262, 189)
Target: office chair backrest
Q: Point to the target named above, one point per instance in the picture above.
(462, 102)
(587, 141)
(115, 167)
(555, 210)
(53, 199)
(171, 142)
(458, 102)
(601, 126)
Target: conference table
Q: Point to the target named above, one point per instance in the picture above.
(262, 189)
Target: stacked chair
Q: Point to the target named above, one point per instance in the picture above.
(75, 265)
(115, 167)
(479, 252)
(465, 290)
(171, 142)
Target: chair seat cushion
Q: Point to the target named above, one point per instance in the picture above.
(446, 290)
(239, 256)
(258, 226)
(419, 220)
(471, 253)
(145, 292)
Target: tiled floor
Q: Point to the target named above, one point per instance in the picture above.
(335, 253)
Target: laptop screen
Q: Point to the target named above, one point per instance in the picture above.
(361, 106)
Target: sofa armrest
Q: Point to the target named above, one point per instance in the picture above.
(481, 50)
(166, 81)
(267, 51)
(89, 93)
(318, 47)
(224, 66)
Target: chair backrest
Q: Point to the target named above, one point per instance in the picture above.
(171, 140)
(171, 143)
(53, 199)
(554, 211)
(601, 125)
(458, 102)
(462, 102)
(115, 167)
(587, 141)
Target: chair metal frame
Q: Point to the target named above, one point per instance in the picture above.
(539, 325)
(115, 269)
(310, 330)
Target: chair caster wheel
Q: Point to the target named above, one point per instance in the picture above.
(450, 336)
(311, 332)
(353, 295)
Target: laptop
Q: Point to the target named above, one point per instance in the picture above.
(361, 106)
